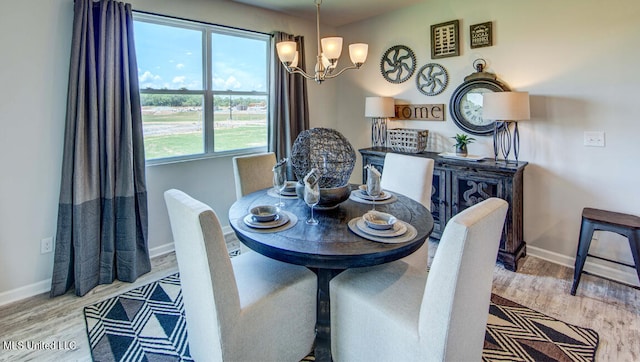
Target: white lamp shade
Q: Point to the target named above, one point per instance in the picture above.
(332, 47)
(379, 107)
(286, 51)
(506, 106)
(358, 52)
(294, 63)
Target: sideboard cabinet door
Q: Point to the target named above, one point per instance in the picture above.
(469, 189)
(439, 202)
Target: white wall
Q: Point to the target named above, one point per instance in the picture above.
(34, 67)
(578, 61)
(34, 70)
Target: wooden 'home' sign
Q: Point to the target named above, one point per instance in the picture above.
(422, 112)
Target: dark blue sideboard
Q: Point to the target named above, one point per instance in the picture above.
(458, 184)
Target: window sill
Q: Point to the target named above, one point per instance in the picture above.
(199, 157)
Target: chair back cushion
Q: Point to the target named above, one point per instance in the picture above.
(458, 291)
(209, 288)
(408, 175)
(253, 172)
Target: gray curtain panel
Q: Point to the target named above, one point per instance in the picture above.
(288, 102)
(102, 214)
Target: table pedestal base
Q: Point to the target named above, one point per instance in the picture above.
(322, 350)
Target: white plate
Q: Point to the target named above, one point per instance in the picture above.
(379, 220)
(408, 236)
(282, 219)
(362, 193)
(457, 157)
(398, 229)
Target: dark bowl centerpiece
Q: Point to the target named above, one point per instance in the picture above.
(331, 153)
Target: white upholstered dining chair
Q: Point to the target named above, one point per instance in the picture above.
(411, 176)
(253, 172)
(249, 308)
(400, 312)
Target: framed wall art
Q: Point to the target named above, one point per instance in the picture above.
(445, 40)
(481, 35)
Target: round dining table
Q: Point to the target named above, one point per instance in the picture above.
(329, 247)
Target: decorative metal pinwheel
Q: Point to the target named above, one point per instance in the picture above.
(398, 64)
(432, 79)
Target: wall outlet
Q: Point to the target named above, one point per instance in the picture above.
(594, 138)
(46, 245)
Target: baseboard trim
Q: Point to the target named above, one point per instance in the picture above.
(161, 250)
(14, 295)
(627, 277)
(44, 286)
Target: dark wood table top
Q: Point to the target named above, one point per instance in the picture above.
(329, 247)
(330, 244)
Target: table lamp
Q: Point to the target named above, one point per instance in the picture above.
(379, 108)
(506, 108)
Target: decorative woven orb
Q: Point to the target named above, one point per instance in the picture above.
(327, 150)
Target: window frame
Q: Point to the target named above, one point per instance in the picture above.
(207, 92)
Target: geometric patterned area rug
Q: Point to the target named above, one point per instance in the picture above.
(517, 333)
(144, 324)
(148, 324)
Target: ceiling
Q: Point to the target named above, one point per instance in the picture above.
(332, 12)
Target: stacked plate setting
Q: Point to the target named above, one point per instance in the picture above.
(362, 194)
(289, 189)
(382, 227)
(265, 217)
(381, 224)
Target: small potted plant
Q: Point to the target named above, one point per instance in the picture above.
(462, 140)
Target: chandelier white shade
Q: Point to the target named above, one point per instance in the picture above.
(286, 51)
(358, 53)
(329, 51)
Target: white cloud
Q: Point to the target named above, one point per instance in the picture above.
(233, 76)
(230, 83)
(179, 79)
(148, 77)
(179, 65)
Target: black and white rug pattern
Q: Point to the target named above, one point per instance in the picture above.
(148, 324)
(144, 324)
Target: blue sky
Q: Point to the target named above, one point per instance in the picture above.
(171, 57)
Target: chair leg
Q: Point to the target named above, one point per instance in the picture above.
(586, 234)
(634, 243)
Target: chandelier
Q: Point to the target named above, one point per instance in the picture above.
(329, 50)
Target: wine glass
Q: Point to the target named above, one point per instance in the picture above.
(311, 198)
(279, 183)
(373, 187)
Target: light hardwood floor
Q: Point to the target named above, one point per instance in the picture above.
(611, 309)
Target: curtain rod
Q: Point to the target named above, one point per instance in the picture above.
(201, 22)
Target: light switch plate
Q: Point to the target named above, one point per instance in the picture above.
(594, 138)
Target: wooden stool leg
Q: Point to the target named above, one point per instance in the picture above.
(586, 234)
(634, 242)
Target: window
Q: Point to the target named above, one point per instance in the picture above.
(204, 89)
